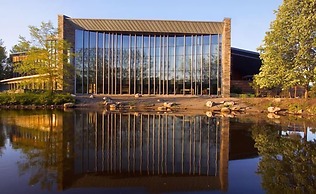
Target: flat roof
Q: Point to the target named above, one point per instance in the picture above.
(149, 26)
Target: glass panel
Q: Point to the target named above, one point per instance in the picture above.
(180, 40)
(85, 61)
(214, 39)
(198, 40)
(107, 63)
(188, 41)
(125, 41)
(79, 60)
(206, 39)
(92, 63)
(179, 50)
(146, 41)
(100, 64)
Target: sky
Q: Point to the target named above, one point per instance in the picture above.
(250, 18)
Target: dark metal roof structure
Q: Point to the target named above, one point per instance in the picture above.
(149, 26)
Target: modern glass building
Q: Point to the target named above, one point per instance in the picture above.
(149, 56)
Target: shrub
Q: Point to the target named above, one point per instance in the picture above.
(30, 98)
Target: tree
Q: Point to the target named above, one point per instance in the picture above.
(46, 57)
(288, 52)
(3, 57)
(23, 46)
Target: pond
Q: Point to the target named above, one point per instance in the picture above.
(81, 151)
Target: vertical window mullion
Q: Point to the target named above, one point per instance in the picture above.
(160, 45)
(163, 63)
(191, 63)
(83, 51)
(218, 73)
(195, 64)
(121, 62)
(142, 66)
(149, 64)
(103, 64)
(96, 61)
(201, 70)
(174, 64)
(184, 60)
(167, 61)
(112, 63)
(115, 61)
(154, 64)
(210, 65)
(135, 53)
(129, 64)
(109, 61)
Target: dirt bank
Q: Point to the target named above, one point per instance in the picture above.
(197, 104)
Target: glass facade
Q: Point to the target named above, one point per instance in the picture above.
(118, 63)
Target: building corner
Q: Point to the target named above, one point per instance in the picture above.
(226, 58)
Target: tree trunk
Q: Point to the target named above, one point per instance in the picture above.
(295, 91)
(306, 92)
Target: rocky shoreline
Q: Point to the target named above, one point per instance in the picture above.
(209, 105)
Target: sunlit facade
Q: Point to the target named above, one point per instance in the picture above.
(131, 56)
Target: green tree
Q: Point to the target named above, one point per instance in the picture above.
(47, 57)
(289, 48)
(23, 45)
(3, 57)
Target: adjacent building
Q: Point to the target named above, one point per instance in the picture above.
(158, 57)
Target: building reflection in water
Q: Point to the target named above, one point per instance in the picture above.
(185, 150)
(157, 152)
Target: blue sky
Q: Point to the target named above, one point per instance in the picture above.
(250, 18)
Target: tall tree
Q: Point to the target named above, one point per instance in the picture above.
(22, 46)
(3, 57)
(288, 52)
(47, 56)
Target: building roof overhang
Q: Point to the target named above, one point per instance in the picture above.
(148, 26)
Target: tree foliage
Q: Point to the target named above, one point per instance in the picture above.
(2, 59)
(46, 56)
(289, 48)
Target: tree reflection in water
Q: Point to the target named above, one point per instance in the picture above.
(288, 161)
(2, 138)
(39, 137)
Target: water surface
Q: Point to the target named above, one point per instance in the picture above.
(102, 152)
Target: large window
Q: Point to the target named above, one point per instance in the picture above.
(118, 63)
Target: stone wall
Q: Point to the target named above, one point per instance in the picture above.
(226, 58)
(66, 31)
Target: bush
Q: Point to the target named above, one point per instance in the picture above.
(29, 98)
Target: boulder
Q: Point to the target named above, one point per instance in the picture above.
(168, 104)
(69, 105)
(231, 103)
(273, 116)
(273, 109)
(107, 99)
(138, 95)
(299, 112)
(112, 106)
(209, 103)
(162, 108)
